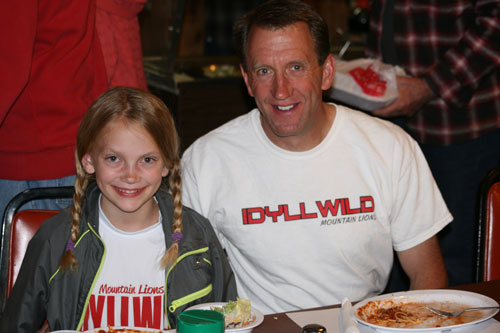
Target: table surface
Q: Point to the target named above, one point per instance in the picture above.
(280, 322)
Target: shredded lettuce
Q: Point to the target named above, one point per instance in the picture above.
(236, 313)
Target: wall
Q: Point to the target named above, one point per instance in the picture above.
(155, 22)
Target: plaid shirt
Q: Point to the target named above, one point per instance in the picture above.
(455, 46)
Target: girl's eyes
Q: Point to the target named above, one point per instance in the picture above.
(145, 160)
(149, 160)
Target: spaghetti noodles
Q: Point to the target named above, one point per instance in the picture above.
(389, 313)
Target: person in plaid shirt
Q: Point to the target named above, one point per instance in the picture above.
(450, 102)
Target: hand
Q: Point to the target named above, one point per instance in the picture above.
(412, 94)
(44, 328)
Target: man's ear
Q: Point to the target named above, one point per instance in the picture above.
(88, 164)
(328, 72)
(245, 77)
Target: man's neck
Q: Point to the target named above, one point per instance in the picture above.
(298, 143)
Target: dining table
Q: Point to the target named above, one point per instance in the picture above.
(282, 323)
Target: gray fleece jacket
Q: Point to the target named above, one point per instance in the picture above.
(42, 291)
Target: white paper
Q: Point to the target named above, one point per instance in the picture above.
(346, 322)
(346, 90)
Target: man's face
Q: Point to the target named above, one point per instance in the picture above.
(287, 82)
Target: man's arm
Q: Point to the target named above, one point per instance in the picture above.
(424, 265)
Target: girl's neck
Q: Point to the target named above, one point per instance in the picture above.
(143, 218)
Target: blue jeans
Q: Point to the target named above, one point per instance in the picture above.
(10, 188)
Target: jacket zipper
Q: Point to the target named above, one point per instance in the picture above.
(188, 298)
(80, 323)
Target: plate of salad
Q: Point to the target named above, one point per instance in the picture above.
(239, 315)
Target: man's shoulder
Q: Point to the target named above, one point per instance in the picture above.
(373, 127)
(231, 133)
(361, 117)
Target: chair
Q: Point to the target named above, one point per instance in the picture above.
(488, 258)
(17, 230)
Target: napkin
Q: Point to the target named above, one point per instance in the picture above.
(346, 323)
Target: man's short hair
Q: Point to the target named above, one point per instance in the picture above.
(278, 14)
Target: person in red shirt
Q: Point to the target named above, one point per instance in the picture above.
(118, 30)
(52, 69)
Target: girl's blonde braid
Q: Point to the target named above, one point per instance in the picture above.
(68, 260)
(175, 184)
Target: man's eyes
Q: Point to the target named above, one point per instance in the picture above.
(267, 71)
(263, 71)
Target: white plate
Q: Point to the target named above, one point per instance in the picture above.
(438, 295)
(259, 317)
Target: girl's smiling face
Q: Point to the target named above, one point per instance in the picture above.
(128, 168)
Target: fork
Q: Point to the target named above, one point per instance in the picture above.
(458, 313)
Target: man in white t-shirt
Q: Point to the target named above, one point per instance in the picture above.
(309, 199)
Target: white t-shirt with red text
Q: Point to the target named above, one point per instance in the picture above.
(129, 291)
(306, 229)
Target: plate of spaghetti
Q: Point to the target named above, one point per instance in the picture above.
(405, 311)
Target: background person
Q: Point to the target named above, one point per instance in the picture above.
(119, 32)
(450, 103)
(52, 70)
(308, 198)
(124, 234)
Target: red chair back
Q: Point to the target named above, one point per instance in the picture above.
(491, 247)
(24, 225)
(18, 227)
(488, 245)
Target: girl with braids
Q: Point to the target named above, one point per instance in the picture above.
(127, 253)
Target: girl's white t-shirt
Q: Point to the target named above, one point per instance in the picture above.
(129, 290)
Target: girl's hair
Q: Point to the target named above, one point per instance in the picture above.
(145, 109)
